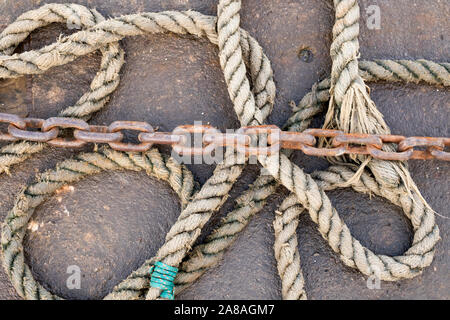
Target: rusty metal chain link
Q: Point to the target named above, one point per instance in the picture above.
(80, 133)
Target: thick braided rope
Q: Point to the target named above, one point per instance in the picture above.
(188, 22)
(225, 66)
(184, 233)
(230, 54)
(407, 71)
(299, 169)
(222, 238)
(334, 230)
(104, 34)
(286, 249)
(426, 234)
(206, 255)
(70, 171)
(104, 83)
(345, 48)
(351, 109)
(414, 71)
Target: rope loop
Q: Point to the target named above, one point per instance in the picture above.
(162, 277)
(102, 86)
(69, 171)
(253, 98)
(196, 212)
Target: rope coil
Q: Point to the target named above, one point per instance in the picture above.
(102, 86)
(253, 101)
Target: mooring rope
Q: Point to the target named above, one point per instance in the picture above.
(104, 83)
(253, 100)
(206, 255)
(69, 171)
(350, 108)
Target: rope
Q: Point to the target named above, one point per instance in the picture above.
(351, 108)
(207, 255)
(162, 276)
(104, 83)
(406, 71)
(70, 171)
(215, 191)
(237, 51)
(107, 33)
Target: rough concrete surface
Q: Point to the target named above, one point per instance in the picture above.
(110, 223)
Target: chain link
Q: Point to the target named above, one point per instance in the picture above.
(244, 139)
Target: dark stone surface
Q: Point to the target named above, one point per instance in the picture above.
(112, 222)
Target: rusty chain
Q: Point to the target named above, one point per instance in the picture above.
(49, 131)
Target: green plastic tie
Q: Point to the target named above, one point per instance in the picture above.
(162, 277)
